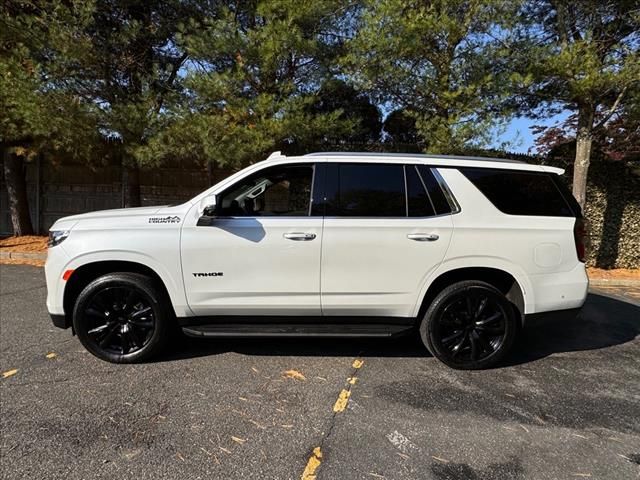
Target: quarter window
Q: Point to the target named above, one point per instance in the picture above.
(520, 193)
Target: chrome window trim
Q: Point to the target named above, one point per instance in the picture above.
(453, 203)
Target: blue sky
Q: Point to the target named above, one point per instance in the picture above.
(518, 133)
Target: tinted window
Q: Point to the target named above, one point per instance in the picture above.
(440, 203)
(418, 203)
(520, 193)
(274, 191)
(365, 190)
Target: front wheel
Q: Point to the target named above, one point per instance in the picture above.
(122, 317)
(469, 325)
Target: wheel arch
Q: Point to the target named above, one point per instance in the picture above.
(86, 273)
(500, 278)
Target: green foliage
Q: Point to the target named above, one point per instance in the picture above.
(443, 62)
(41, 45)
(580, 55)
(251, 83)
(133, 69)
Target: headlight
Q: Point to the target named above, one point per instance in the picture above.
(56, 237)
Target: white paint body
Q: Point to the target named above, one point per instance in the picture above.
(353, 266)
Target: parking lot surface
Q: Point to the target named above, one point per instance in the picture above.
(566, 405)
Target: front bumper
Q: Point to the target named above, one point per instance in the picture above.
(60, 321)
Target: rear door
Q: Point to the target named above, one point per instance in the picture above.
(386, 227)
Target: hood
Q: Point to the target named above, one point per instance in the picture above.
(68, 222)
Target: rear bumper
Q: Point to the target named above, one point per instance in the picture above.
(558, 291)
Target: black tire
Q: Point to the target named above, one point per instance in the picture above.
(123, 317)
(469, 325)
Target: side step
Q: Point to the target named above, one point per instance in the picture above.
(295, 330)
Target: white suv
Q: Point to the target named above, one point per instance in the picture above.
(460, 249)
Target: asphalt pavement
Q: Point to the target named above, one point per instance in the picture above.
(566, 405)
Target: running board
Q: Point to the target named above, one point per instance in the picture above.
(295, 330)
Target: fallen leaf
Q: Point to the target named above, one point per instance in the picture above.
(51, 355)
(10, 373)
(439, 459)
(238, 440)
(295, 374)
(357, 363)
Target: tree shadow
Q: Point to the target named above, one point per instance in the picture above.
(603, 322)
(608, 249)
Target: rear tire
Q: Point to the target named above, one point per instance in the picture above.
(469, 325)
(123, 317)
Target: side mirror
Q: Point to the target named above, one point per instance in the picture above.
(208, 208)
(209, 211)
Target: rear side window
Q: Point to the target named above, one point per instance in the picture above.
(520, 193)
(418, 202)
(365, 190)
(440, 203)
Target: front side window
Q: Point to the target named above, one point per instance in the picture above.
(283, 190)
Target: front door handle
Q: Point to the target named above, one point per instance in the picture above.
(423, 237)
(300, 237)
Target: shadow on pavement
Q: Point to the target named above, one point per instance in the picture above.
(603, 322)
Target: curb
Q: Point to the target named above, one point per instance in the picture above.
(603, 282)
(23, 256)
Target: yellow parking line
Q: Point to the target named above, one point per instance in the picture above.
(312, 465)
(342, 401)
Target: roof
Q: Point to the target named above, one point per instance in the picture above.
(430, 159)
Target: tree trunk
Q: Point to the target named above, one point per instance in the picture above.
(16, 183)
(584, 139)
(132, 187)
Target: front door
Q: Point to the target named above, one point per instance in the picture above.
(260, 255)
(387, 226)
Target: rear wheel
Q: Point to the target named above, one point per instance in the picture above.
(469, 325)
(122, 317)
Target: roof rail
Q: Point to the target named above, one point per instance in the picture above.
(275, 154)
(409, 155)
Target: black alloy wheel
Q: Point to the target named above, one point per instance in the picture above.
(122, 317)
(469, 325)
(119, 320)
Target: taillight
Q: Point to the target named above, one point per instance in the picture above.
(581, 236)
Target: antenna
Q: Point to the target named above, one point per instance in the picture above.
(275, 155)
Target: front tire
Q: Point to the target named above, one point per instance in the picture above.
(470, 325)
(122, 317)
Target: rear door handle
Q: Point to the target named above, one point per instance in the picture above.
(423, 237)
(300, 237)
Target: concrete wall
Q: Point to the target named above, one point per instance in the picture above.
(70, 189)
